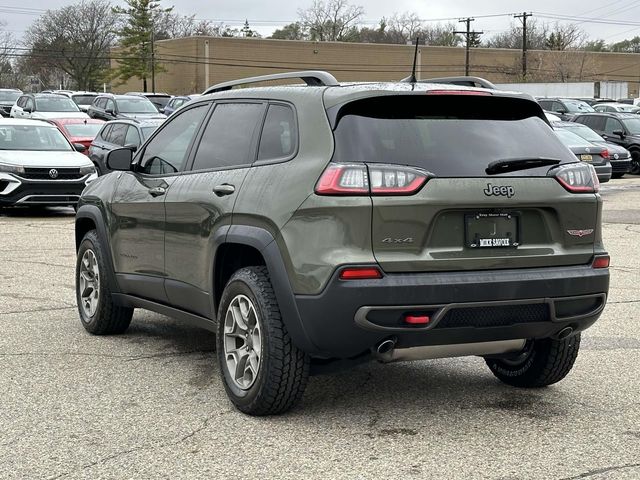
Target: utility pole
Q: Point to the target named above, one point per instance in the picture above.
(467, 34)
(523, 16)
(153, 60)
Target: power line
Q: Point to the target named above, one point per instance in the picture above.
(468, 33)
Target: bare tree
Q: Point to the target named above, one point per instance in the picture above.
(512, 38)
(7, 54)
(565, 37)
(333, 20)
(169, 24)
(74, 40)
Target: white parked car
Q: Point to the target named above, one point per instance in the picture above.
(616, 107)
(46, 106)
(38, 165)
(81, 98)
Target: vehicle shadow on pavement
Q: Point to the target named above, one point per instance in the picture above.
(426, 387)
(37, 212)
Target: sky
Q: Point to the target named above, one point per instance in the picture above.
(611, 20)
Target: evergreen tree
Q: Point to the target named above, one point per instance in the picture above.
(136, 40)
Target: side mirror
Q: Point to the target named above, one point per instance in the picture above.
(79, 147)
(27, 110)
(109, 111)
(131, 147)
(562, 111)
(619, 133)
(120, 159)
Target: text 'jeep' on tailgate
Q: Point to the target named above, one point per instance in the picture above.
(328, 224)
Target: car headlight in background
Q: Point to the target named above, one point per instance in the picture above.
(8, 168)
(87, 170)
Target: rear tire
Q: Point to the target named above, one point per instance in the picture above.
(99, 314)
(263, 372)
(543, 363)
(635, 162)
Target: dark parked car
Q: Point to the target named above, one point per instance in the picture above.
(8, 97)
(620, 128)
(588, 152)
(619, 157)
(111, 107)
(160, 100)
(176, 102)
(565, 108)
(116, 134)
(320, 226)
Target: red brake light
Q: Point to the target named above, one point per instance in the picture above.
(577, 177)
(360, 273)
(605, 154)
(601, 261)
(458, 92)
(373, 179)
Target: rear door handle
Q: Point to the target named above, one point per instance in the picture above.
(157, 191)
(224, 189)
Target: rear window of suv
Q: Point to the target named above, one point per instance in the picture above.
(447, 135)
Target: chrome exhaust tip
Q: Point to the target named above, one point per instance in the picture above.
(385, 346)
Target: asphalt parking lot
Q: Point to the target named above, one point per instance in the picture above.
(149, 404)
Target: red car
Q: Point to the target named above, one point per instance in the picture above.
(79, 130)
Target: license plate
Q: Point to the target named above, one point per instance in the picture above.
(492, 230)
(586, 158)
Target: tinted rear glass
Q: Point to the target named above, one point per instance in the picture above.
(83, 99)
(83, 129)
(583, 131)
(449, 136)
(571, 139)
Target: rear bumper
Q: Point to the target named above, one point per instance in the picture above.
(604, 172)
(351, 317)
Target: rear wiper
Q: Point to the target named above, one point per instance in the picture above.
(514, 164)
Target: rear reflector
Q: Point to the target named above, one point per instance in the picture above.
(373, 179)
(416, 319)
(601, 261)
(360, 273)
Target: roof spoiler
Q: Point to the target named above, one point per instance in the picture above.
(462, 81)
(313, 78)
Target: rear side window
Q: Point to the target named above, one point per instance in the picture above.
(279, 134)
(228, 138)
(117, 134)
(592, 121)
(447, 135)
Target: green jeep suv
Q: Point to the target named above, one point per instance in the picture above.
(321, 225)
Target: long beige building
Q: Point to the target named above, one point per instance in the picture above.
(194, 63)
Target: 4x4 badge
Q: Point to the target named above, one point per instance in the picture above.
(505, 191)
(580, 233)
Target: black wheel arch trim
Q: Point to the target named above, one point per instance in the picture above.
(263, 241)
(93, 213)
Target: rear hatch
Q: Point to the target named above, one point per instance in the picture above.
(467, 215)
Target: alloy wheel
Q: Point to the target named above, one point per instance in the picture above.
(89, 282)
(242, 342)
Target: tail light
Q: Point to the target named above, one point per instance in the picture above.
(577, 177)
(605, 154)
(361, 179)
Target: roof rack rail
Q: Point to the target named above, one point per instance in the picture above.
(464, 81)
(313, 78)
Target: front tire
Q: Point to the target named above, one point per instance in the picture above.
(263, 372)
(99, 314)
(543, 362)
